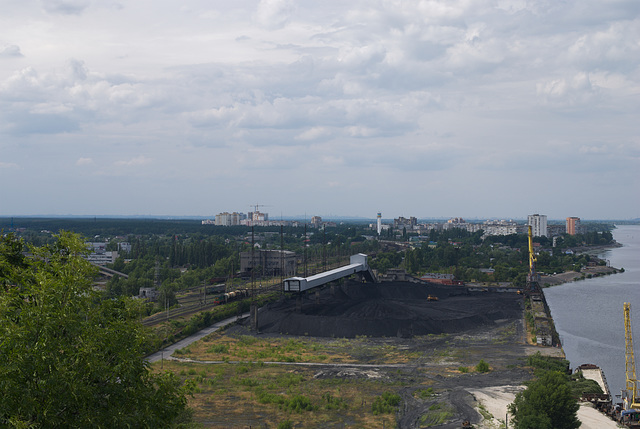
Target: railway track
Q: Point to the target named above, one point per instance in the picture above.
(192, 301)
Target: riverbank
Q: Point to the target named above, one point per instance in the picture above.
(572, 276)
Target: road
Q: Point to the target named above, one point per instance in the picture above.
(168, 351)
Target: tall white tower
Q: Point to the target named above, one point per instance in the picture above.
(538, 225)
(379, 223)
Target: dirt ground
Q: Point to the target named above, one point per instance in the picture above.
(390, 336)
(444, 338)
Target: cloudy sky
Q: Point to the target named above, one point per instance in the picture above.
(438, 108)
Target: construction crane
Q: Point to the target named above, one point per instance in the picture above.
(256, 206)
(256, 215)
(532, 278)
(630, 394)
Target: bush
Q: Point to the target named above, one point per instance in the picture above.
(546, 363)
(298, 404)
(424, 393)
(385, 404)
(333, 403)
(219, 348)
(546, 403)
(482, 366)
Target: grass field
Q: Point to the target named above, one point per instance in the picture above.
(244, 380)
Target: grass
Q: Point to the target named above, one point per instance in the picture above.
(438, 414)
(259, 394)
(247, 348)
(424, 393)
(243, 389)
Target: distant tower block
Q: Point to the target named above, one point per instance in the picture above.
(573, 225)
(379, 223)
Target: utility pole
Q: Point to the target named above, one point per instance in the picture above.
(281, 259)
(253, 266)
(324, 248)
(304, 245)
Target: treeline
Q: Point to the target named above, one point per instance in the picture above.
(457, 252)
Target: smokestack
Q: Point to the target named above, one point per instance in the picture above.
(379, 223)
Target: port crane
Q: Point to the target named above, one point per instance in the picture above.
(532, 277)
(630, 394)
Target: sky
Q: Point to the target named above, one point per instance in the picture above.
(437, 108)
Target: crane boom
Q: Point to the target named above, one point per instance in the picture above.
(532, 278)
(631, 400)
(532, 256)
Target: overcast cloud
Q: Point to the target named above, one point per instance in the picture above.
(439, 108)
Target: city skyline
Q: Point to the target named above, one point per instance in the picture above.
(434, 109)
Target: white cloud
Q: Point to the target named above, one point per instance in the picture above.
(84, 161)
(134, 162)
(9, 165)
(274, 14)
(313, 133)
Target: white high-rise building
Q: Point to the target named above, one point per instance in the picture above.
(538, 224)
(379, 223)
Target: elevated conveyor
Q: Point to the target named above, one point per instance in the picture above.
(358, 265)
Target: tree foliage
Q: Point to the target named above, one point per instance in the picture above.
(547, 403)
(68, 357)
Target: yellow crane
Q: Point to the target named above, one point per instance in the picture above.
(532, 278)
(630, 395)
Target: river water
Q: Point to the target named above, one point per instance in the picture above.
(588, 313)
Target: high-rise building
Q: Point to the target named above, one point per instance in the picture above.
(316, 221)
(379, 223)
(538, 224)
(573, 225)
(229, 219)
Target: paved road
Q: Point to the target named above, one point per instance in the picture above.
(168, 351)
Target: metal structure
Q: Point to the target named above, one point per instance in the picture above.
(630, 394)
(532, 277)
(358, 265)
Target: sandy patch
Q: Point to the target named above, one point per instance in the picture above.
(495, 401)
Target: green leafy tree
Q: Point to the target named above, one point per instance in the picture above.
(547, 403)
(69, 357)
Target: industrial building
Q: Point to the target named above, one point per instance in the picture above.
(100, 255)
(358, 265)
(269, 262)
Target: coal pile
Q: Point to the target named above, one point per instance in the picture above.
(393, 309)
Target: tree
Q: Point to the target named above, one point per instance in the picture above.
(547, 403)
(69, 357)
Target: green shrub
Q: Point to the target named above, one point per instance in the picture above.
(219, 348)
(548, 363)
(385, 404)
(437, 414)
(298, 404)
(482, 366)
(463, 369)
(333, 403)
(424, 393)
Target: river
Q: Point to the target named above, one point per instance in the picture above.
(588, 313)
